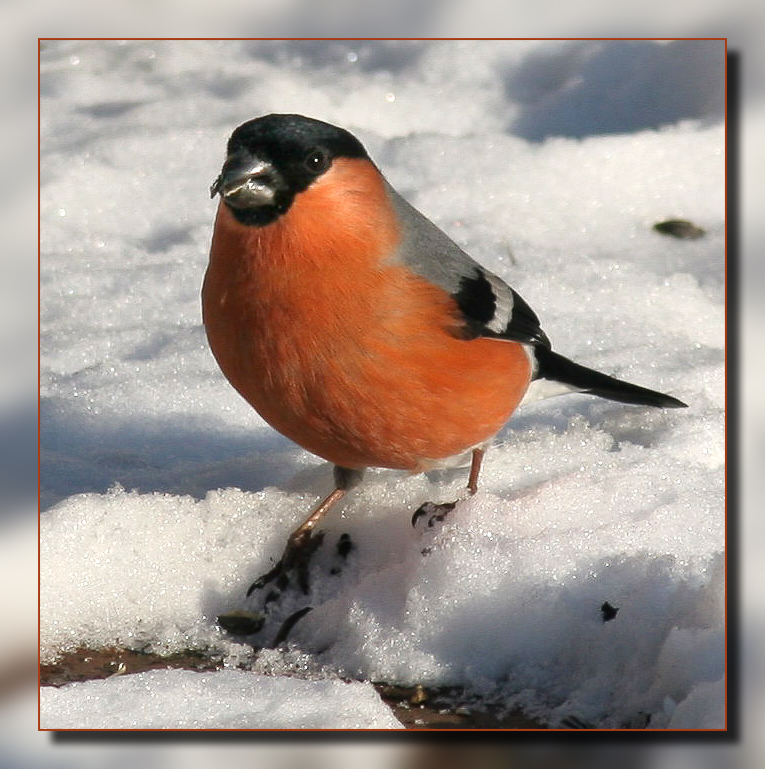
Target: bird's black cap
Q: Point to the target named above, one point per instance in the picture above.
(286, 136)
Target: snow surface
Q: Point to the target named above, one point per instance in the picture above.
(228, 699)
(166, 495)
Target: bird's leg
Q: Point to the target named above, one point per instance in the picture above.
(302, 543)
(475, 469)
(437, 512)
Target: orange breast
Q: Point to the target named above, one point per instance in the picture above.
(343, 350)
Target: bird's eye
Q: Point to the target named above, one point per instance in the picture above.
(316, 161)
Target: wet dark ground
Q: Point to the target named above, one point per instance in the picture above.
(417, 707)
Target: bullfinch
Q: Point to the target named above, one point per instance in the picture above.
(356, 327)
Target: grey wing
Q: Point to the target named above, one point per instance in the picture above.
(488, 305)
(491, 308)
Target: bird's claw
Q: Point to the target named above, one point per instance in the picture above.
(295, 560)
(288, 624)
(277, 573)
(244, 623)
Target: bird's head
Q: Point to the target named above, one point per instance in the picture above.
(273, 158)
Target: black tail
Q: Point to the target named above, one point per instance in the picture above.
(559, 369)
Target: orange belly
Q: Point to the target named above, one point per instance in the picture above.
(358, 361)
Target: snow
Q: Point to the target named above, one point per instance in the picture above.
(228, 699)
(165, 495)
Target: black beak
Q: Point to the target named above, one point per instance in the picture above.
(246, 181)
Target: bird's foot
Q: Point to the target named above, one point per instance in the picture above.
(431, 513)
(294, 562)
(289, 575)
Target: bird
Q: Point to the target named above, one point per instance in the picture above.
(359, 329)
